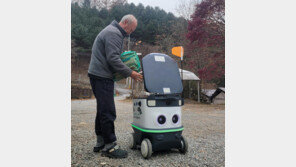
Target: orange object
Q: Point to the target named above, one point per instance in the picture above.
(178, 51)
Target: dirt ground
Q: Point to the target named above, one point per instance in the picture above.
(204, 128)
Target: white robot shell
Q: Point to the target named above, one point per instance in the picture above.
(148, 117)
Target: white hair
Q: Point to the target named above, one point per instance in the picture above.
(129, 18)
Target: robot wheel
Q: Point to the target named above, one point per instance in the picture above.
(146, 148)
(184, 144)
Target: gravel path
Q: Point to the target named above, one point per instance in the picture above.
(204, 130)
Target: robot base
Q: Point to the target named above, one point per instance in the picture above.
(152, 142)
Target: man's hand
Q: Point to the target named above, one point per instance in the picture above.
(136, 76)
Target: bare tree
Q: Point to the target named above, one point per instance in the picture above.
(99, 4)
(108, 4)
(185, 8)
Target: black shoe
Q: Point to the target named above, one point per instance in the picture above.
(98, 147)
(114, 152)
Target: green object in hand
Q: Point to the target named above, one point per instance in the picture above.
(130, 59)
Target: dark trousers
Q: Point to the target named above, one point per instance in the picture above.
(103, 90)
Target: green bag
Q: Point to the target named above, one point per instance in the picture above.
(131, 59)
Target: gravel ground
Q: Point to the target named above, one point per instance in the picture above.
(203, 129)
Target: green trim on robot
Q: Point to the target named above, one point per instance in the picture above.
(158, 131)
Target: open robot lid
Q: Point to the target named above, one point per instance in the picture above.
(161, 74)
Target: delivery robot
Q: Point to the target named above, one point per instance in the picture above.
(157, 121)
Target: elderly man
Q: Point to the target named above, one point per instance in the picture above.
(105, 61)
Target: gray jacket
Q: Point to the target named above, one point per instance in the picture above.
(105, 58)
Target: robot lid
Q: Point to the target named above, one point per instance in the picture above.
(161, 74)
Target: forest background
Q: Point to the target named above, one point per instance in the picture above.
(199, 28)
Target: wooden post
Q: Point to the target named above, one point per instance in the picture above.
(198, 93)
(189, 90)
(182, 70)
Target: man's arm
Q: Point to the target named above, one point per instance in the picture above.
(113, 49)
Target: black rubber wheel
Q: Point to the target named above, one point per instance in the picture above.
(184, 145)
(146, 148)
(132, 141)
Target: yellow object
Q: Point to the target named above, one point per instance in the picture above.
(178, 51)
